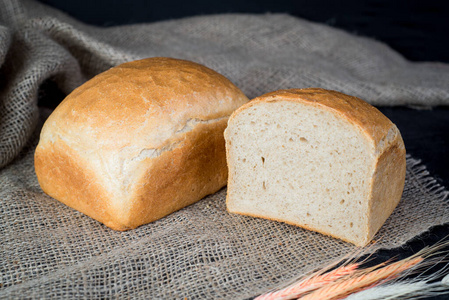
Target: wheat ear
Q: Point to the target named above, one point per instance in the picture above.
(364, 279)
(310, 283)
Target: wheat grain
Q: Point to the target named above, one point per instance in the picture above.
(310, 283)
(364, 279)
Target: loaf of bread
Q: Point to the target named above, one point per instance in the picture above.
(139, 141)
(315, 158)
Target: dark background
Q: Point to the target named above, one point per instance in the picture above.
(419, 30)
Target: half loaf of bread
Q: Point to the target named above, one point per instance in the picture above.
(139, 141)
(315, 158)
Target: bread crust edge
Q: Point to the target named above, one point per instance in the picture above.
(199, 163)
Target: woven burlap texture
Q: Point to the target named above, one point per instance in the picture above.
(51, 251)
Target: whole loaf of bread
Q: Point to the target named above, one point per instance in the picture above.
(139, 141)
(315, 158)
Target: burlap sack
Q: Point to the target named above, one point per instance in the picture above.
(51, 251)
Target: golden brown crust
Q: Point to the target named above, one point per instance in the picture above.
(388, 184)
(172, 181)
(138, 141)
(182, 176)
(64, 175)
(157, 95)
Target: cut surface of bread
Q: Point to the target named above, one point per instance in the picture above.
(318, 159)
(139, 141)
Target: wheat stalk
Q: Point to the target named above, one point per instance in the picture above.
(350, 279)
(310, 283)
(364, 279)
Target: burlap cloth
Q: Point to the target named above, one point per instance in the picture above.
(49, 250)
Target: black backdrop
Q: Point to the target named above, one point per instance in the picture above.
(419, 30)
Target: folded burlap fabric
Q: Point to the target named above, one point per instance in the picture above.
(49, 250)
